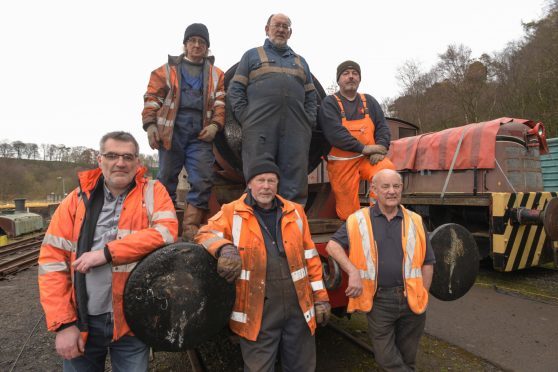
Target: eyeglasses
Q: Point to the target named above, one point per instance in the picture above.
(197, 40)
(112, 156)
(281, 25)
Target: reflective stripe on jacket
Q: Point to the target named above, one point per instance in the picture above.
(162, 99)
(236, 224)
(363, 254)
(148, 221)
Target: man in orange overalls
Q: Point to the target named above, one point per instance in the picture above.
(355, 126)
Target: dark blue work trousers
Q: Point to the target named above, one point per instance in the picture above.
(195, 155)
(129, 353)
(394, 330)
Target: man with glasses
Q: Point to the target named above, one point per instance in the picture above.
(95, 238)
(184, 108)
(262, 242)
(390, 267)
(273, 97)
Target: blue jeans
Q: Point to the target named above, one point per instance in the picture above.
(126, 354)
(195, 155)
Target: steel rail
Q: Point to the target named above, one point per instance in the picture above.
(19, 263)
(20, 248)
(363, 345)
(18, 243)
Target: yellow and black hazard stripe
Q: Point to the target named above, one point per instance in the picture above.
(517, 246)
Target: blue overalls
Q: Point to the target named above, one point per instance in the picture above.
(187, 150)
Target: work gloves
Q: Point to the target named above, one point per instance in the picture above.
(376, 153)
(323, 312)
(208, 133)
(229, 263)
(153, 136)
(376, 158)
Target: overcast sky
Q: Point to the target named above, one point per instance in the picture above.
(73, 70)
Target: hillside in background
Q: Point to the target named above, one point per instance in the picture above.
(520, 81)
(36, 179)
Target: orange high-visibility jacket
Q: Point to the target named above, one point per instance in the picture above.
(162, 99)
(148, 221)
(363, 245)
(236, 224)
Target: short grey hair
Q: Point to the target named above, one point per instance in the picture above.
(119, 136)
(384, 171)
(273, 15)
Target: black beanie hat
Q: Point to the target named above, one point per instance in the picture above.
(347, 65)
(262, 164)
(196, 29)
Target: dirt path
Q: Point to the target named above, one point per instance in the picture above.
(21, 316)
(517, 333)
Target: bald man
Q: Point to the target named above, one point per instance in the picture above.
(390, 266)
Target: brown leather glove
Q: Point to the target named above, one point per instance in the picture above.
(208, 133)
(229, 263)
(323, 312)
(374, 149)
(376, 158)
(153, 136)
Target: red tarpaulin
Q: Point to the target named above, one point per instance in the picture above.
(435, 151)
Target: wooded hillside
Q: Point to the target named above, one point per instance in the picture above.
(35, 179)
(520, 81)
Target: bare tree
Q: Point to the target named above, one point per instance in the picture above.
(33, 150)
(6, 150)
(45, 150)
(19, 148)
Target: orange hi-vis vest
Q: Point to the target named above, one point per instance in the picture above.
(361, 129)
(364, 255)
(147, 222)
(236, 224)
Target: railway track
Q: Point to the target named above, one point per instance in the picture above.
(19, 255)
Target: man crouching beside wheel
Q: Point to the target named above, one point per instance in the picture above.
(390, 267)
(262, 242)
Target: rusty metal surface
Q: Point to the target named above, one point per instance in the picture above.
(518, 169)
(457, 261)
(550, 219)
(174, 299)
(451, 199)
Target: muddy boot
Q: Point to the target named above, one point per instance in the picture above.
(193, 217)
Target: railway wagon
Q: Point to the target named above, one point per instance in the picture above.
(17, 222)
(486, 177)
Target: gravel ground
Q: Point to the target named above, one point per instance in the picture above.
(23, 330)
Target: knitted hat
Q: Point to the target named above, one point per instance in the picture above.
(196, 29)
(262, 164)
(347, 65)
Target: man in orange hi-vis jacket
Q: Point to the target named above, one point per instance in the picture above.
(97, 235)
(263, 242)
(390, 268)
(184, 108)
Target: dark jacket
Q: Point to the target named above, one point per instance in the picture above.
(329, 119)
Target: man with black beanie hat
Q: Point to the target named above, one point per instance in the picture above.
(262, 241)
(355, 126)
(183, 111)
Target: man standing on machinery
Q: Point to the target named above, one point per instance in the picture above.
(183, 111)
(355, 126)
(273, 97)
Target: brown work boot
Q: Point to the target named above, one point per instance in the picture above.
(193, 218)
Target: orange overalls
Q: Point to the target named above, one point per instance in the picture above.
(347, 168)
